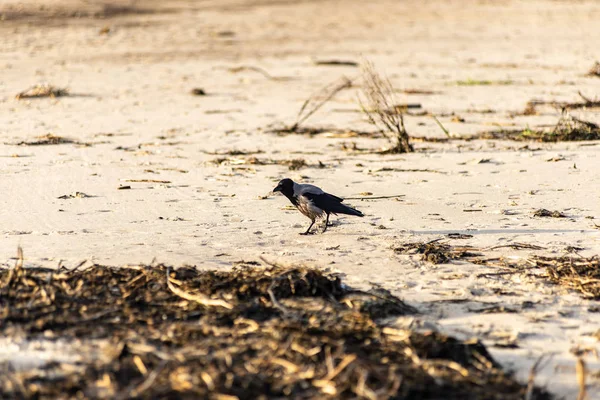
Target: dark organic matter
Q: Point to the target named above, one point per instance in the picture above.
(250, 332)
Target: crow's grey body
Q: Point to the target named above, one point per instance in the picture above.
(304, 204)
(313, 202)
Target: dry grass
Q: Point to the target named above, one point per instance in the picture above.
(47, 140)
(437, 252)
(310, 106)
(292, 164)
(318, 100)
(586, 103)
(531, 106)
(379, 107)
(44, 90)
(251, 332)
(571, 271)
(578, 273)
(567, 129)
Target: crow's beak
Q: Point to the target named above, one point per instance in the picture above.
(277, 189)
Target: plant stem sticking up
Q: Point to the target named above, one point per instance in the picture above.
(380, 110)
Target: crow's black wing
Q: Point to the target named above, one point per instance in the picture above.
(331, 204)
(338, 199)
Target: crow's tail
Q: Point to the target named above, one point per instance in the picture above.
(344, 209)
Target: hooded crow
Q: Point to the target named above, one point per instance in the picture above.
(313, 202)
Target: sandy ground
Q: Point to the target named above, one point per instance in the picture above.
(130, 68)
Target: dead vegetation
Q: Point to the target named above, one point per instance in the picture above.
(595, 70)
(292, 164)
(318, 100)
(586, 103)
(532, 105)
(542, 212)
(567, 129)
(574, 272)
(46, 140)
(420, 91)
(388, 116)
(74, 195)
(43, 90)
(62, 12)
(379, 107)
(259, 70)
(198, 92)
(233, 152)
(530, 108)
(437, 252)
(148, 181)
(336, 63)
(251, 332)
(313, 104)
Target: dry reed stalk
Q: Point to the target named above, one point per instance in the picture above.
(379, 108)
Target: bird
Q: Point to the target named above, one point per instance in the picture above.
(313, 202)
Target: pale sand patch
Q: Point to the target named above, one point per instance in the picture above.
(131, 74)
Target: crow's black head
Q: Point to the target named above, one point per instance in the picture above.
(285, 186)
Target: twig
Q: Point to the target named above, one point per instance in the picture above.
(257, 69)
(17, 268)
(343, 364)
(375, 197)
(44, 90)
(441, 126)
(275, 302)
(145, 385)
(19, 262)
(319, 99)
(533, 372)
(586, 99)
(489, 274)
(518, 246)
(198, 298)
(581, 373)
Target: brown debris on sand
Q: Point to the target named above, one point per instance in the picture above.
(261, 71)
(43, 90)
(420, 91)
(567, 129)
(250, 332)
(575, 272)
(198, 92)
(531, 106)
(587, 103)
(571, 271)
(48, 139)
(542, 212)
(436, 252)
(292, 164)
(337, 63)
(595, 70)
(74, 195)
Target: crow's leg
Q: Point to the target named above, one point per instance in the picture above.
(308, 230)
(326, 223)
